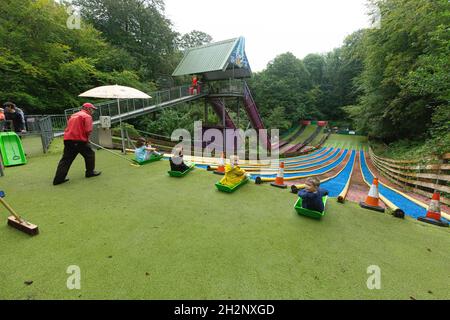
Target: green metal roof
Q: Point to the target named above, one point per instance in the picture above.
(208, 58)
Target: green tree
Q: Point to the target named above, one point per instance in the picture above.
(193, 39)
(277, 119)
(137, 26)
(406, 63)
(44, 65)
(285, 83)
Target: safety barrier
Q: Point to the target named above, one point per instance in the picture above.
(419, 176)
(111, 108)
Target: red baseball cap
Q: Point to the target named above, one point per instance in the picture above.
(88, 105)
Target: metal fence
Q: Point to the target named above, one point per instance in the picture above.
(111, 108)
(59, 122)
(233, 87)
(51, 126)
(47, 126)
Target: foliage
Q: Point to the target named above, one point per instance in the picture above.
(313, 88)
(44, 65)
(284, 84)
(277, 119)
(391, 81)
(137, 26)
(193, 39)
(406, 69)
(168, 120)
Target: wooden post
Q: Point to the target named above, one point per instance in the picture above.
(441, 162)
(1, 166)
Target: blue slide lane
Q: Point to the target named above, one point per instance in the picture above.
(311, 159)
(325, 160)
(205, 166)
(318, 163)
(337, 184)
(306, 156)
(293, 168)
(409, 207)
(331, 166)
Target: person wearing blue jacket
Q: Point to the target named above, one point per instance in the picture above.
(312, 195)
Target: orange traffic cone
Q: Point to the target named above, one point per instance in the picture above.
(434, 212)
(221, 169)
(279, 181)
(373, 199)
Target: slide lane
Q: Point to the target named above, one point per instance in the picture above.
(410, 207)
(204, 162)
(315, 157)
(295, 169)
(336, 185)
(290, 137)
(304, 174)
(358, 189)
(309, 130)
(300, 183)
(290, 165)
(336, 181)
(307, 156)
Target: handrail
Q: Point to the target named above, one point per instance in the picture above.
(423, 179)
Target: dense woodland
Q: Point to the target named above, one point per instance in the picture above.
(391, 81)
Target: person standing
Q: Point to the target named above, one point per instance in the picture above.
(2, 119)
(195, 85)
(16, 115)
(76, 140)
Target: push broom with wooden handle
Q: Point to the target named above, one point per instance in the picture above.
(16, 221)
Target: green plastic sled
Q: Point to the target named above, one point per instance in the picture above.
(309, 213)
(11, 149)
(153, 158)
(227, 189)
(178, 174)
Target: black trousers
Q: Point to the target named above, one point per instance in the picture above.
(182, 167)
(71, 150)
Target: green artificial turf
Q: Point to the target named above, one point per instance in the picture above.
(138, 234)
(309, 130)
(347, 142)
(317, 139)
(32, 145)
(290, 133)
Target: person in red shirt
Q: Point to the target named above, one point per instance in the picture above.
(76, 140)
(2, 119)
(195, 85)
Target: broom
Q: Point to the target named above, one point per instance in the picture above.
(116, 154)
(16, 221)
